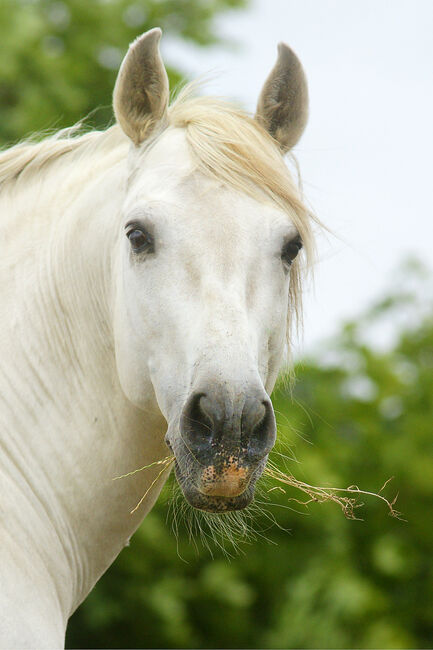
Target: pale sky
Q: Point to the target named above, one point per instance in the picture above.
(366, 154)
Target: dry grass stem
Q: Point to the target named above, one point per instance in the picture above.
(163, 461)
(166, 465)
(315, 494)
(348, 504)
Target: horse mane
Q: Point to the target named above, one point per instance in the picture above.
(228, 144)
(33, 158)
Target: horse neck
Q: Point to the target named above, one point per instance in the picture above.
(68, 429)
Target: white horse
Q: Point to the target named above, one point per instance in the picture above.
(148, 274)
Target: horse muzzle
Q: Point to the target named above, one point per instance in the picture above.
(222, 447)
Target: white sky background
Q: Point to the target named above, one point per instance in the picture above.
(366, 155)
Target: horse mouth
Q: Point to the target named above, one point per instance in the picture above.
(215, 503)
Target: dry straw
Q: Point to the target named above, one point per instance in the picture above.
(165, 462)
(314, 493)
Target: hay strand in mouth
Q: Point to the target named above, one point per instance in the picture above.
(163, 461)
(317, 494)
(167, 464)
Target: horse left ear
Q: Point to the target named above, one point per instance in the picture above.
(282, 108)
(140, 97)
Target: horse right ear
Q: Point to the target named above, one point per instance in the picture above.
(140, 97)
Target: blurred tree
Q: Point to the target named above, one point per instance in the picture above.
(59, 58)
(357, 414)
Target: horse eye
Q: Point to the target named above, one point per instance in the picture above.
(291, 249)
(140, 240)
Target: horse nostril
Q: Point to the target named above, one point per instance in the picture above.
(260, 431)
(255, 414)
(214, 422)
(262, 426)
(194, 417)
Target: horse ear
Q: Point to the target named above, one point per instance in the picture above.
(282, 108)
(140, 97)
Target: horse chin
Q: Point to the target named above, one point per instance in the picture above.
(216, 504)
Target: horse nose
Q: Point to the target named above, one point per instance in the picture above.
(214, 421)
(258, 430)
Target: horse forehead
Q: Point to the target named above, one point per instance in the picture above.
(216, 206)
(223, 236)
(217, 230)
(207, 221)
(164, 165)
(169, 173)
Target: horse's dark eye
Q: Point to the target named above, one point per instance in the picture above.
(140, 240)
(291, 249)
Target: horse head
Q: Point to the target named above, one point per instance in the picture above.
(208, 267)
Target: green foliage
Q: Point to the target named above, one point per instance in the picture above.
(60, 57)
(356, 415)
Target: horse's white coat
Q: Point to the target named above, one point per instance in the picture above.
(99, 351)
(66, 426)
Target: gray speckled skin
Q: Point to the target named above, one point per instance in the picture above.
(218, 503)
